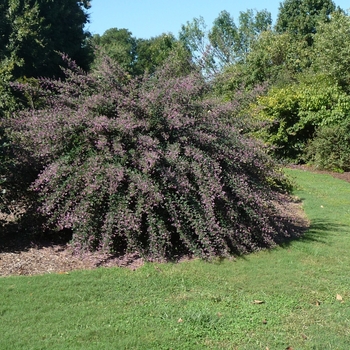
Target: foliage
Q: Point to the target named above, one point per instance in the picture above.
(273, 59)
(225, 43)
(330, 149)
(241, 95)
(224, 37)
(301, 17)
(17, 171)
(309, 85)
(292, 114)
(331, 49)
(4, 30)
(118, 44)
(137, 56)
(251, 25)
(3, 168)
(33, 32)
(278, 113)
(276, 58)
(194, 37)
(149, 165)
(153, 52)
(10, 168)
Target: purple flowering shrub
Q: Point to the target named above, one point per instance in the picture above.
(151, 165)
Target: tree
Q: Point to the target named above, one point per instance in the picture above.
(31, 33)
(35, 30)
(330, 149)
(273, 60)
(251, 25)
(300, 17)
(152, 53)
(194, 36)
(292, 114)
(118, 44)
(137, 56)
(331, 49)
(224, 38)
(276, 58)
(225, 43)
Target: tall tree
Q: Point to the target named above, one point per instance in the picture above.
(225, 43)
(118, 44)
(331, 49)
(152, 53)
(224, 38)
(300, 17)
(276, 58)
(194, 36)
(251, 25)
(137, 56)
(34, 30)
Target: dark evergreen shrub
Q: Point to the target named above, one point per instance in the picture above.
(149, 164)
(330, 149)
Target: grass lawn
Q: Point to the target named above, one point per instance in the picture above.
(294, 296)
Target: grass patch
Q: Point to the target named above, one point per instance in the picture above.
(199, 305)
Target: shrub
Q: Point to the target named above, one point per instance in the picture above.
(148, 164)
(330, 149)
(291, 115)
(17, 171)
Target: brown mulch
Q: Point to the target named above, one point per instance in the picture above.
(50, 257)
(22, 254)
(59, 258)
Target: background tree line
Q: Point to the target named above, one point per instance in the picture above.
(302, 60)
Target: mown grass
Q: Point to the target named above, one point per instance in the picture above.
(201, 305)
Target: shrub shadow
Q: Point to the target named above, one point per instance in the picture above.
(318, 231)
(27, 232)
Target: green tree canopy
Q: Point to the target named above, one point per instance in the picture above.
(251, 25)
(194, 37)
(224, 38)
(33, 31)
(138, 56)
(152, 53)
(225, 43)
(292, 114)
(332, 49)
(300, 17)
(118, 44)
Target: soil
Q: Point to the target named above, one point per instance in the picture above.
(59, 258)
(40, 257)
(20, 254)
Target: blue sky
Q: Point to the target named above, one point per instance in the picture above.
(149, 18)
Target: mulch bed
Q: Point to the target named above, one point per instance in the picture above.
(59, 258)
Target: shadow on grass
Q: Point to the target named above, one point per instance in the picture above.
(318, 231)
